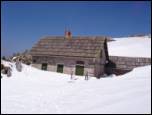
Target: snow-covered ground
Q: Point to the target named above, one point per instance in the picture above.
(36, 91)
(130, 47)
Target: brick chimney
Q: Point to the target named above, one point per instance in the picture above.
(68, 35)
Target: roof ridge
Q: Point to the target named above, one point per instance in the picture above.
(75, 37)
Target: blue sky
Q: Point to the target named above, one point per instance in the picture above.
(24, 23)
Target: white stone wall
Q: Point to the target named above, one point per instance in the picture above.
(37, 66)
(68, 70)
(89, 70)
(52, 68)
(70, 64)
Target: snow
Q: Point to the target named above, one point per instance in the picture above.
(14, 57)
(6, 63)
(36, 91)
(130, 47)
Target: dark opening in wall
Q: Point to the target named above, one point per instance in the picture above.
(34, 60)
(79, 70)
(44, 66)
(60, 68)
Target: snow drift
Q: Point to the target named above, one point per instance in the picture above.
(36, 91)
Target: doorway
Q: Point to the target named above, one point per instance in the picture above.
(60, 68)
(79, 70)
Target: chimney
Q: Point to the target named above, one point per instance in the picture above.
(68, 35)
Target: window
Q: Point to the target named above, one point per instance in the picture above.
(60, 68)
(44, 66)
(34, 60)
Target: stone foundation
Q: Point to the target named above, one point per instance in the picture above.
(119, 65)
(129, 62)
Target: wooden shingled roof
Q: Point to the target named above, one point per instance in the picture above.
(75, 47)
